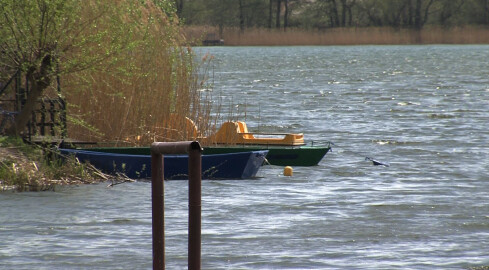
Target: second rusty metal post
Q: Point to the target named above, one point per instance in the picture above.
(194, 151)
(194, 204)
(158, 210)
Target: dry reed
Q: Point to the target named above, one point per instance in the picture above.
(150, 94)
(344, 36)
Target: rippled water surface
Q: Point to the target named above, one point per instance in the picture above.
(422, 109)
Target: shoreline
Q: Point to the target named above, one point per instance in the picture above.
(25, 168)
(340, 36)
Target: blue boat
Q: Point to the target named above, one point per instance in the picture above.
(307, 155)
(243, 165)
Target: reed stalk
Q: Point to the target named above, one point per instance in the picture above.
(152, 92)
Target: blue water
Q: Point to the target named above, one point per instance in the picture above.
(421, 109)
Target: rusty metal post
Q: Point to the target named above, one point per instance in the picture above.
(158, 210)
(195, 206)
(194, 151)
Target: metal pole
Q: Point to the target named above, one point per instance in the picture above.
(171, 147)
(157, 193)
(195, 206)
(158, 210)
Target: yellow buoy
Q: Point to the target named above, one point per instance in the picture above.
(288, 171)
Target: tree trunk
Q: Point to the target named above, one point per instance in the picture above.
(486, 13)
(343, 13)
(270, 14)
(241, 17)
(396, 18)
(286, 14)
(449, 10)
(409, 17)
(277, 22)
(426, 12)
(179, 8)
(40, 80)
(419, 18)
(417, 15)
(350, 17)
(334, 17)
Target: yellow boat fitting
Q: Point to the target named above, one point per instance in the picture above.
(237, 133)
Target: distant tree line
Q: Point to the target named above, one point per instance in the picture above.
(322, 14)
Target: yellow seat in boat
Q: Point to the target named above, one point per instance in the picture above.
(237, 133)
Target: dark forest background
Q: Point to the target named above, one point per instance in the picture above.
(325, 14)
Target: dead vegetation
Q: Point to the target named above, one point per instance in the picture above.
(31, 168)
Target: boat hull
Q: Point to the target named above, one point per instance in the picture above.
(242, 165)
(281, 156)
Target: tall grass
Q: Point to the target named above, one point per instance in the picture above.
(148, 94)
(344, 36)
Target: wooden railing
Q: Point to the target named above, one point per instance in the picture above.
(48, 118)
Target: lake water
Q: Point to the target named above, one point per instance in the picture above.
(422, 109)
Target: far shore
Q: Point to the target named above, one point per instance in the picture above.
(340, 36)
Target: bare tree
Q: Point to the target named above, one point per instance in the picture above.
(421, 12)
(336, 13)
(286, 14)
(277, 17)
(373, 11)
(410, 13)
(241, 16)
(346, 11)
(395, 11)
(486, 11)
(448, 9)
(270, 14)
(179, 5)
(335, 20)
